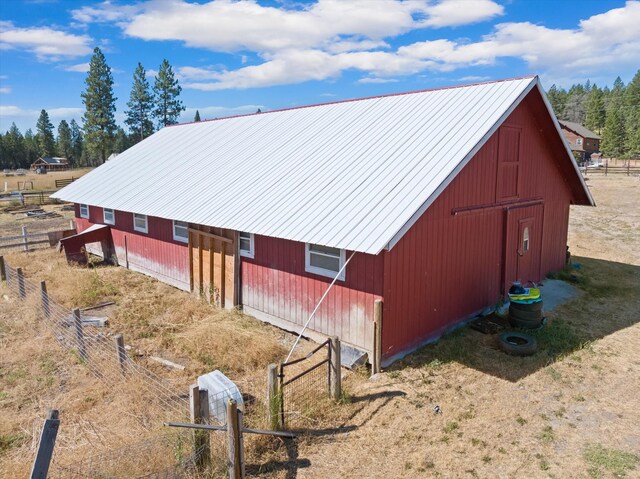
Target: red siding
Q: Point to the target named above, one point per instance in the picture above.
(449, 267)
(156, 253)
(276, 283)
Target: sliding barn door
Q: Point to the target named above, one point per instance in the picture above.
(214, 265)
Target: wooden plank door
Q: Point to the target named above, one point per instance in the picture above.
(212, 258)
(523, 245)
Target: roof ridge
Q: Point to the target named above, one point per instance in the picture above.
(348, 100)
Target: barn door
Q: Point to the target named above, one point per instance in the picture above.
(523, 244)
(213, 258)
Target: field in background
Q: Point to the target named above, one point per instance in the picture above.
(38, 182)
(568, 411)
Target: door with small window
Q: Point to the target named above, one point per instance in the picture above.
(523, 244)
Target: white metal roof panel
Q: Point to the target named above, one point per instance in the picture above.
(349, 174)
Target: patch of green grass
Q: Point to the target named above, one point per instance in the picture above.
(520, 420)
(9, 441)
(96, 289)
(560, 412)
(615, 461)
(548, 435)
(555, 375)
(450, 427)
(486, 458)
(579, 398)
(394, 374)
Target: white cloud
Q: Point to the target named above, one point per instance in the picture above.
(472, 78)
(5, 89)
(462, 12)
(46, 43)
(377, 80)
(105, 12)
(80, 68)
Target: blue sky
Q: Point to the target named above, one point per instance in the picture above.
(234, 57)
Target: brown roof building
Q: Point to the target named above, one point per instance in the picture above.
(581, 140)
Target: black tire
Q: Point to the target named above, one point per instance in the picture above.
(525, 315)
(517, 344)
(524, 324)
(526, 306)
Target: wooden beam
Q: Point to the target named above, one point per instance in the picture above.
(190, 260)
(223, 279)
(212, 249)
(200, 268)
(211, 235)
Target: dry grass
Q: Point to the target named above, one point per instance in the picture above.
(41, 182)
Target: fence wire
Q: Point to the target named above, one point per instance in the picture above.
(159, 456)
(305, 388)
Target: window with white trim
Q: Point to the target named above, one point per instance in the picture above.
(140, 223)
(84, 211)
(579, 141)
(109, 216)
(324, 261)
(181, 231)
(246, 245)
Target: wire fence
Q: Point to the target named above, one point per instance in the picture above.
(157, 456)
(304, 385)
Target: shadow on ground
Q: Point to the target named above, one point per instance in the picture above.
(609, 302)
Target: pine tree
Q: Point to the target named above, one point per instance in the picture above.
(63, 142)
(197, 117)
(166, 91)
(30, 149)
(558, 99)
(575, 105)
(595, 115)
(632, 117)
(100, 106)
(45, 139)
(140, 106)
(14, 148)
(76, 143)
(122, 141)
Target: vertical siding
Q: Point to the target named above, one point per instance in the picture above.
(156, 254)
(276, 283)
(447, 266)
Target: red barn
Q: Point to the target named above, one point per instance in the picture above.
(431, 201)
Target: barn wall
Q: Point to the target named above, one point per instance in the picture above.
(156, 254)
(448, 267)
(275, 283)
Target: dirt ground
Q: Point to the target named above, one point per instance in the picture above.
(569, 411)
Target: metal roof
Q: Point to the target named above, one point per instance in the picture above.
(353, 175)
(579, 129)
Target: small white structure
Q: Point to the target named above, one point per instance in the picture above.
(220, 389)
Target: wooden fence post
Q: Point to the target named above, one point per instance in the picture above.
(273, 397)
(45, 299)
(77, 322)
(25, 238)
(196, 408)
(377, 337)
(21, 289)
(234, 458)
(48, 435)
(121, 353)
(204, 459)
(335, 369)
(3, 271)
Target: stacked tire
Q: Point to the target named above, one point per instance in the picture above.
(526, 315)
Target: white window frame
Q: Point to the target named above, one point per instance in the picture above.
(113, 216)
(86, 213)
(578, 141)
(525, 240)
(322, 271)
(185, 225)
(243, 252)
(146, 223)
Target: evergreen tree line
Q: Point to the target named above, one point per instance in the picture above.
(149, 108)
(614, 113)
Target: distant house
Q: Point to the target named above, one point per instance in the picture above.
(432, 202)
(51, 163)
(581, 140)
